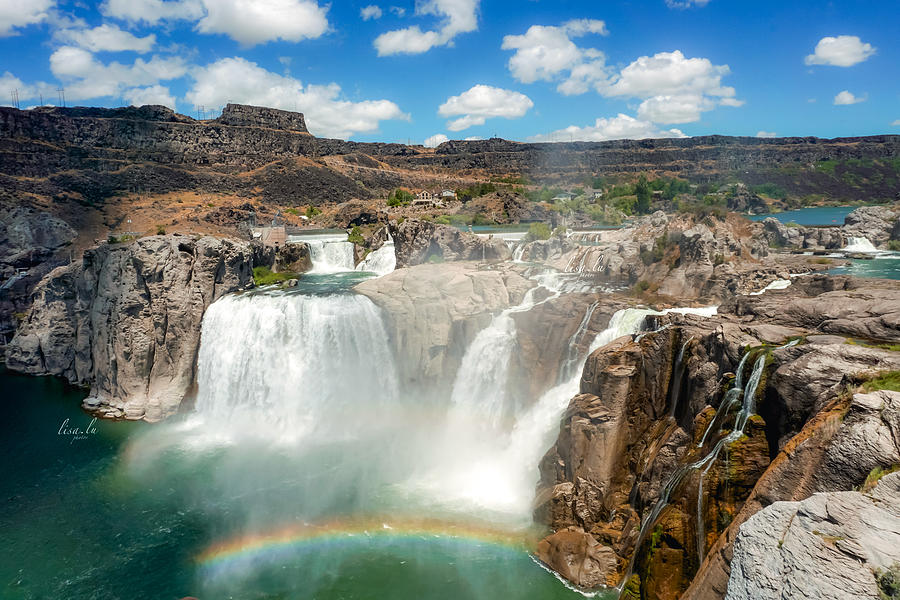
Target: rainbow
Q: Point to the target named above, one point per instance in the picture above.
(288, 541)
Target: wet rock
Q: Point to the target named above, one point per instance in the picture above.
(435, 310)
(579, 558)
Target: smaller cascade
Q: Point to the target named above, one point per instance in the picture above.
(519, 251)
(778, 284)
(571, 363)
(677, 377)
(859, 244)
(748, 407)
(381, 261)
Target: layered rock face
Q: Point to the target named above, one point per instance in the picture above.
(418, 241)
(621, 485)
(833, 545)
(32, 243)
(240, 115)
(126, 320)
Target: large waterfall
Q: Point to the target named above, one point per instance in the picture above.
(288, 365)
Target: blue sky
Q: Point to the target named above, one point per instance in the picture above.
(398, 70)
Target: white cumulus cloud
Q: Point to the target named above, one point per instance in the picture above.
(674, 88)
(248, 22)
(372, 11)
(435, 140)
(327, 112)
(896, 123)
(547, 53)
(619, 127)
(482, 102)
(153, 94)
(766, 134)
(21, 13)
(458, 16)
(840, 51)
(86, 77)
(845, 97)
(107, 38)
(251, 22)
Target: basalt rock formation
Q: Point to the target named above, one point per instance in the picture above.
(126, 319)
(832, 545)
(32, 243)
(620, 488)
(417, 241)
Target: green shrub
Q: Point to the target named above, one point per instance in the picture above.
(160, 230)
(641, 286)
(263, 275)
(443, 220)
(355, 236)
(312, 211)
(538, 231)
(894, 245)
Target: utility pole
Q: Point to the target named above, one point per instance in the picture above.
(62, 96)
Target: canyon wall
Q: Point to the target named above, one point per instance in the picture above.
(125, 320)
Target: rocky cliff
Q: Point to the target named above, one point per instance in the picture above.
(125, 320)
(417, 241)
(832, 545)
(621, 486)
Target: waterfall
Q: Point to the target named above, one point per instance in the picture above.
(677, 376)
(859, 244)
(381, 261)
(519, 251)
(287, 366)
(330, 255)
(748, 408)
(570, 364)
(481, 382)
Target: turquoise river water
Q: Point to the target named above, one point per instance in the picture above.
(344, 491)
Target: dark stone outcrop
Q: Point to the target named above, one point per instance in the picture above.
(241, 115)
(126, 319)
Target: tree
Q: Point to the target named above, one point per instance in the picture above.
(642, 191)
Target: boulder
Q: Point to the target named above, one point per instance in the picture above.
(831, 546)
(579, 557)
(876, 223)
(418, 241)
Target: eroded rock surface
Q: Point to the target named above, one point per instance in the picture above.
(830, 546)
(126, 319)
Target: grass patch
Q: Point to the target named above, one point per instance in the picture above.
(875, 476)
(894, 245)
(264, 276)
(820, 261)
(879, 345)
(119, 240)
(887, 380)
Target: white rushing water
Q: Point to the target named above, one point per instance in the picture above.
(859, 244)
(381, 261)
(285, 366)
(778, 284)
(330, 256)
